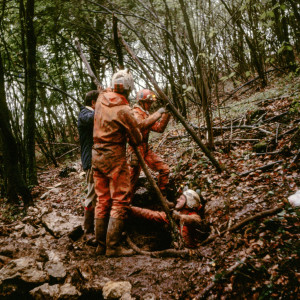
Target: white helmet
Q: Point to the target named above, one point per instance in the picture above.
(122, 81)
(192, 198)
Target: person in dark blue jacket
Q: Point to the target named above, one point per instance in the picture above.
(85, 126)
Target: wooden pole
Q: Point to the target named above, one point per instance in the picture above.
(87, 65)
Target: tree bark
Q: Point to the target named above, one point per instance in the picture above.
(30, 96)
(15, 182)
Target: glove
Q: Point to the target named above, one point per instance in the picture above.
(176, 215)
(134, 161)
(162, 110)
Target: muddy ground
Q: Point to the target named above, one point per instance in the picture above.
(258, 260)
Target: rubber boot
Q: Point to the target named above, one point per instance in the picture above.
(100, 232)
(114, 234)
(88, 223)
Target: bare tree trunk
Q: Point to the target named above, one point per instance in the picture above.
(15, 182)
(255, 52)
(281, 31)
(202, 81)
(30, 97)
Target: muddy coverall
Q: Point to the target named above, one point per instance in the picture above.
(155, 122)
(113, 124)
(189, 222)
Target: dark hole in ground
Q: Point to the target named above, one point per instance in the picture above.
(148, 235)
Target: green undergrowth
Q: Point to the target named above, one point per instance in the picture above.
(10, 212)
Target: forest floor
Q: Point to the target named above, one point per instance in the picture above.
(258, 145)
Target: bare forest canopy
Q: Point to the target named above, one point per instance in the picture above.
(199, 52)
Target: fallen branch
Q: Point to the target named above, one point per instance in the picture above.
(163, 253)
(162, 140)
(134, 247)
(257, 216)
(76, 148)
(65, 144)
(239, 127)
(244, 222)
(284, 133)
(296, 157)
(269, 153)
(177, 137)
(263, 168)
(276, 117)
(227, 273)
(247, 83)
(87, 65)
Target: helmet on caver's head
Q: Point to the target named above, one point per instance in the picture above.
(146, 95)
(192, 198)
(122, 81)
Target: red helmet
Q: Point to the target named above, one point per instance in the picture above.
(146, 95)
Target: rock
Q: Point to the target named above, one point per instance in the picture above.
(65, 172)
(55, 270)
(295, 199)
(76, 233)
(94, 284)
(55, 256)
(116, 289)
(60, 223)
(126, 296)
(42, 256)
(25, 270)
(45, 291)
(33, 211)
(19, 226)
(68, 291)
(41, 231)
(29, 230)
(149, 296)
(7, 250)
(4, 259)
(260, 147)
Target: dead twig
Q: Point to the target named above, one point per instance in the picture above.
(134, 247)
(247, 83)
(296, 157)
(240, 127)
(244, 222)
(284, 133)
(162, 140)
(263, 168)
(76, 148)
(163, 253)
(276, 117)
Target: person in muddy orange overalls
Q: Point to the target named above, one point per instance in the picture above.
(113, 124)
(157, 122)
(186, 213)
